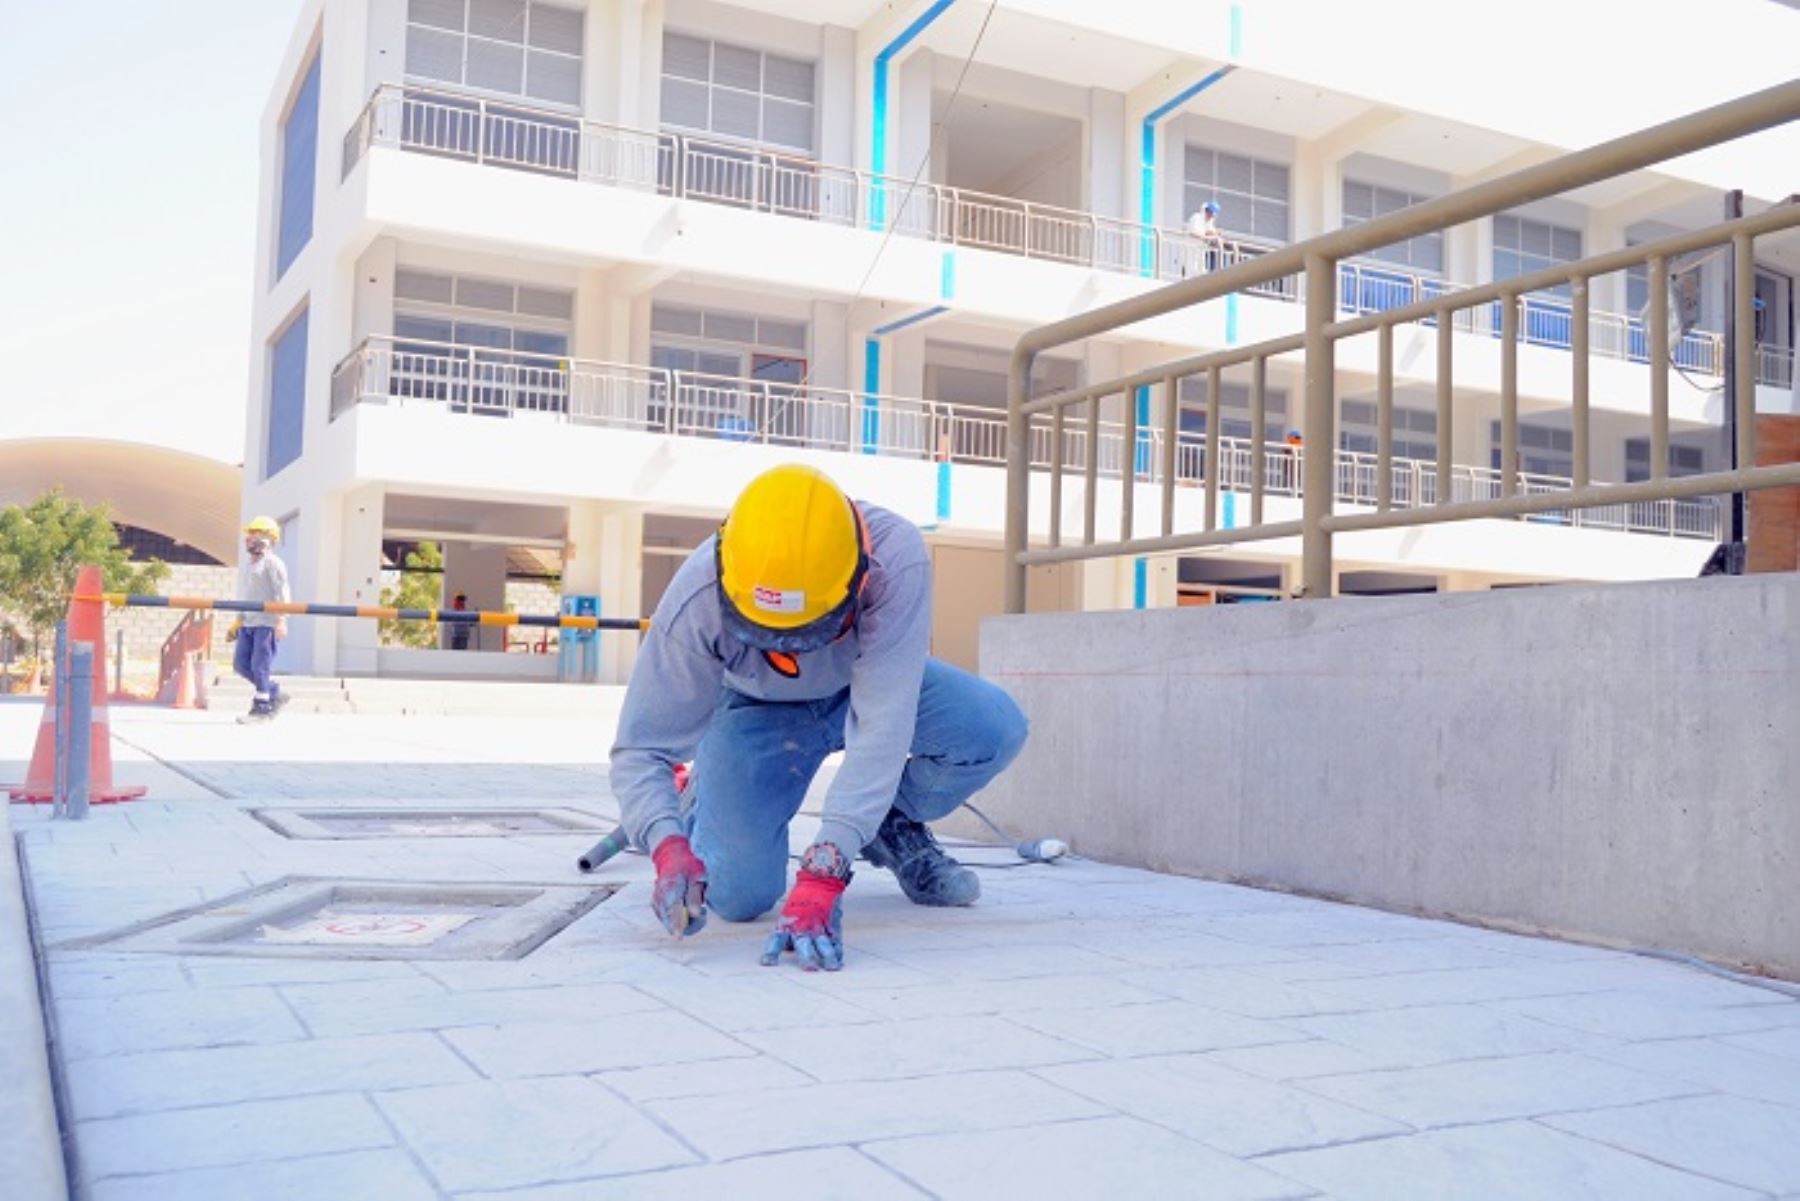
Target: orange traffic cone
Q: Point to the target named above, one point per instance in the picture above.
(184, 684)
(87, 623)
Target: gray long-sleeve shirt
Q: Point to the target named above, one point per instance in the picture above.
(263, 579)
(687, 658)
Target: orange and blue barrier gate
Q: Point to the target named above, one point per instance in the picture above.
(449, 617)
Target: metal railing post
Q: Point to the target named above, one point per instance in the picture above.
(1018, 476)
(1316, 496)
(80, 729)
(59, 680)
(1509, 394)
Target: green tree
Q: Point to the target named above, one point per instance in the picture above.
(44, 544)
(421, 586)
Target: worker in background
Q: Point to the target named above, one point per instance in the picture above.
(459, 633)
(262, 577)
(801, 629)
(1203, 227)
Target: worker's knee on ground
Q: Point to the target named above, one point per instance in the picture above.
(743, 903)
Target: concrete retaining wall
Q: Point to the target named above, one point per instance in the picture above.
(1618, 762)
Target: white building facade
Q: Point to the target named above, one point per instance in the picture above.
(547, 283)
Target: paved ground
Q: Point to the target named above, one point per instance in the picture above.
(1087, 1031)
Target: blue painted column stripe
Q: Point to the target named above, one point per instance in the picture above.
(878, 131)
(871, 413)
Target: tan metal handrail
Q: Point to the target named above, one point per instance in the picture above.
(1317, 259)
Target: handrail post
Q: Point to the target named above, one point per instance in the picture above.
(1018, 478)
(1316, 499)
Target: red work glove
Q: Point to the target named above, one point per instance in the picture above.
(812, 918)
(679, 897)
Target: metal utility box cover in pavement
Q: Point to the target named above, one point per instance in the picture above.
(299, 917)
(346, 823)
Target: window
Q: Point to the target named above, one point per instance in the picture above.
(299, 151)
(734, 92)
(513, 47)
(1234, 410)
(1683, 460)
(517, 335)
(728, 338)
(287, 397)
(1252, 194)
(1365, 202)
(1543, 450)
(1414, 437)
(1522, 245)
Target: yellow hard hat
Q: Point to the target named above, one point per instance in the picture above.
(266, 527)
(791, 555)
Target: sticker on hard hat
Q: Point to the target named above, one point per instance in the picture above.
(776, 600)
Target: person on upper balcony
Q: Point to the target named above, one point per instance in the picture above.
(1203, 227)
(801, 628)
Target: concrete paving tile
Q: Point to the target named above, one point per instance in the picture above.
(1237, 1114)
(1161, 1028)
(1192, 950)
(627, 1040)
(90, 1027)
(1490, 1090)
(755, 1123)
(834, 1174)
(1006, 997)
(125, 1084)
(1784, 1042)
(1296, 1060)
(347, 1176)
(378, 1007)
(1402, 1038)
(1635, 1016)
(218, 972)
(1328, 925)
(526, 1132)
(1507, 1161)
(1453, 986)
(1728, 1065)
(1015, 962)
(1751, 1143)
(915, 1047)
(710, 1077)
(769, 1001)
(114, 976)
(1240, 991)
(1092, 1161)
(233, 1134)
(1415, 955)
(553, 967)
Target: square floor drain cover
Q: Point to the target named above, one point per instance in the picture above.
(428, 823)
(299, 917)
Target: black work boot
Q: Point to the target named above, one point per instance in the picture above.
(927, 875)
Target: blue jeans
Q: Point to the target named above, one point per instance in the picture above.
(758, 758)
(254, 657)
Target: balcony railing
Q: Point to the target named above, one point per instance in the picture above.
(488, 383)
(520, 137)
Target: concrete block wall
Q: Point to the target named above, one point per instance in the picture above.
(1615, 762)
(145, 629)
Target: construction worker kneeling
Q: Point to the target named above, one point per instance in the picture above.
(801, 629)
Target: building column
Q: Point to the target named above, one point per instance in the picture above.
(603, 555)
(831, 363)
(909, 122)
(359, 578)
(1317, 196)
(837, 96)
(593, 318)
(1105, 154)
(373, 304)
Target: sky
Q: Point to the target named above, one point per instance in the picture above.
(128, 214)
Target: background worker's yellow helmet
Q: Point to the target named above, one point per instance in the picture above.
(792, 555)
(264, 527)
